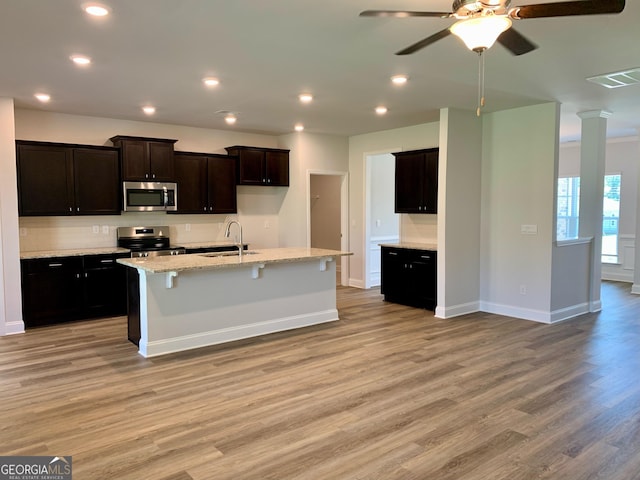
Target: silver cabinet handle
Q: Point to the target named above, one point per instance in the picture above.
(55, 265)
(109, 260)
(392, 253)
(427, 257)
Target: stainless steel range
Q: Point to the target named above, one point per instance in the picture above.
(147, 241)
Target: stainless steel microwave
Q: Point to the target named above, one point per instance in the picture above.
(150, 196)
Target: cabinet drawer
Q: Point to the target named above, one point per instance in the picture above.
(102, 261)
(42, 265)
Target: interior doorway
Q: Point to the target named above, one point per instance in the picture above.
(382, 224)
(327, 214)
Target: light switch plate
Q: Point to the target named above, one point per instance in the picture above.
(529, 229)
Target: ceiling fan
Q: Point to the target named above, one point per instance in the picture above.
(482, 22)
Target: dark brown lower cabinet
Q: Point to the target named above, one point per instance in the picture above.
(409, 276)
(61, 289)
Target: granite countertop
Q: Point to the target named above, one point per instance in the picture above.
(211, 244)
(412, 245)
(75, 252)
(177, 263)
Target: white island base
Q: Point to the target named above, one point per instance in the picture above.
(199, 307)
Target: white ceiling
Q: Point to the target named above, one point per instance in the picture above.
(266, 52)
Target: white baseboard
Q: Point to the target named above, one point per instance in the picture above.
(12, 328)
(618, 276)
(214, 337)
(516, 312)
(356, 283)
(569, 312)
(635, 288)
(457, 310)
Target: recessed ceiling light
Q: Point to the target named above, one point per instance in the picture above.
(305, 97)
(43, 97)
(299, 127)
(149, 110)
(399, 79)
(96, 9)
(230, 118)
(381, 110)
(80, 60)
(210, 81)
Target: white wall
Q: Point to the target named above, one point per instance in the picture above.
(10, 294)
(310, 153)
(518, 188)
(459, 193)
(409, 138)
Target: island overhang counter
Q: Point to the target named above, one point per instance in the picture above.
(189, 301)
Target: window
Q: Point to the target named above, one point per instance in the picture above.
(568, 204)
(610, 218)
(568, 213)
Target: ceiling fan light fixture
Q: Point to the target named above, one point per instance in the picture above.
(480, 33)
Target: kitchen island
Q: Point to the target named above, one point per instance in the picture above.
(191, 301)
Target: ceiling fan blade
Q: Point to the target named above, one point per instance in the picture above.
(561, 9)
(425, 42)
(402, 14)
(515, 42)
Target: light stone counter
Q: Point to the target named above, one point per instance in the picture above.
(412, 245)
(199, 261)
(76, 252)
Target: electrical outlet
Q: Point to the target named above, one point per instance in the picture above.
(105, 229)
(95, 229)
(267, 224)
(187, 227)
(523, 289)
(378, 223)
(23, 232)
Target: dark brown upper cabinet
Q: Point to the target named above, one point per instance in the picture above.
(261, 166)
(64, 179)
(206, 183)
(416, 181)
(146, 159)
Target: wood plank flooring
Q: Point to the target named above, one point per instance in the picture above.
(388, 392)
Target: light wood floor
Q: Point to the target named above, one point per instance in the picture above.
(388, 392)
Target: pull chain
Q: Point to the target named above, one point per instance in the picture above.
(480, 82)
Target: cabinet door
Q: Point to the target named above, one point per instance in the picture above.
(422, 279)
(430, 188)
(221, 173)
(251, 167)
(392, 273)
(409, 182)
(277, 168)
(96, 181)
(161, 164)
(105, 286)
(51, 290)
(191, 177)
(135, 161)
(45, 180)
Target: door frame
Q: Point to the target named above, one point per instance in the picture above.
(344, 217)
(367, 209)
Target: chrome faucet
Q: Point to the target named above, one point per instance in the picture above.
(228, 232)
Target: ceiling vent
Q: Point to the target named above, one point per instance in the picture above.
(617, 79)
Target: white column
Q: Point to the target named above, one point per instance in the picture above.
(10, 291)
(635, 288)
(592, 165)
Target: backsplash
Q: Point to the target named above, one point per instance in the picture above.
(61, 233)
(419, 228)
